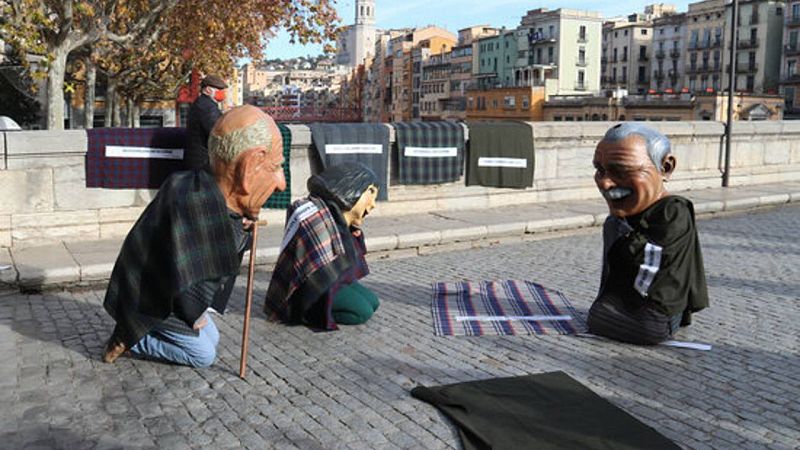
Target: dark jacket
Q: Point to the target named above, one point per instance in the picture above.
(203, 114)
(679, 284)
(185, 236)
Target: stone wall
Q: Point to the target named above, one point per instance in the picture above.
(44, 199)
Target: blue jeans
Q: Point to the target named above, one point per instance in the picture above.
(195, 351)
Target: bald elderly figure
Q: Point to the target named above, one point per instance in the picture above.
(181, 258)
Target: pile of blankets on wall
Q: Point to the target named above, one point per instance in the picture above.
(497, 154)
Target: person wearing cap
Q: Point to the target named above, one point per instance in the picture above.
(203, 114)
(182, 256)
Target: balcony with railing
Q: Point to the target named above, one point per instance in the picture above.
(658, 75)
(582, 39)
(791, 78)
(660, 54)
(581, 62)
(793, 21)
(580, 86)
(743, 67)
(674, 53)
(625, 58)
(747, 43)
(715, 43)
(754, 19)
(791, 49)
(643, 57)
(643, 80)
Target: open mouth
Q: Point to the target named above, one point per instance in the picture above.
(617, 194)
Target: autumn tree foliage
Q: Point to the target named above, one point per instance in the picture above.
(145, 47)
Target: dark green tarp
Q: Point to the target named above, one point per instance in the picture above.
(500, 154)
(544, 411)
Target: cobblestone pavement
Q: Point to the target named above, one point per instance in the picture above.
(349, 389)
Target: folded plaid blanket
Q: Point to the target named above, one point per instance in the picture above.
(317, 255)
(367, 143)
(282, 200)
(500, 154)
(501, 308)
(133, 158)
(429, 152)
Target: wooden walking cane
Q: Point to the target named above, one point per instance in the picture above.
(248, 301)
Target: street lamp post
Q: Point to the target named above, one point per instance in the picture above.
(731, 89)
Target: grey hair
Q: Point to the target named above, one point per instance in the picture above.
(227, 147)
(658, 145)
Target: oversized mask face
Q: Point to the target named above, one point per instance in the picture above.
(364, 205)
(626, 176)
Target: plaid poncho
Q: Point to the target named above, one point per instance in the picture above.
(129, 169)
(184, 236)
(318, 254)
(429, 152)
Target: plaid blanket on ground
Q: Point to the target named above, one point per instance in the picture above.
(315, 258)
(367, 143)
(429, 152)
(501, 308)
(282, 200)
(117, 157)
(500, 154)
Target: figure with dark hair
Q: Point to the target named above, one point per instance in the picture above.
(321, 258)
(653, 277)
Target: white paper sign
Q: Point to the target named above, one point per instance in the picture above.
(504, 318)
(515, 163)
(431, 152)
(341, 149)
(120, 151)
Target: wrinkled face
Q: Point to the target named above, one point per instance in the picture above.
(266, 177)
(364, 205)
(626, 176)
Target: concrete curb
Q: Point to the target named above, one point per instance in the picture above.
(70, 264)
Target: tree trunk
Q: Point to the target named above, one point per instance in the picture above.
(111, 93)
(136, 111)
(89, 94)
(55, 90)
(115, 110)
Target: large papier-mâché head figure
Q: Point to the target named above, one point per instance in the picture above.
(352, 187)
(246, 152)
(632, 162)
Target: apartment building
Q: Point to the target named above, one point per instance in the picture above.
(758, 56)
(494, 61)
(627, 52)
(706, 31)
(559, 50)
(378, 86)
(506, 103)
(666, 66)
(790, 68)
(438, 47)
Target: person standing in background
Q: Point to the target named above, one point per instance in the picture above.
(203, 114)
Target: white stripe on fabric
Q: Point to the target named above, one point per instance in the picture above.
(341, 149)
(515, 163)
(300, 214)
(124, 151)
(505, 318)
(648, 269)
(431, 152)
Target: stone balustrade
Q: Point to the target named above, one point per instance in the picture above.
(44, 199)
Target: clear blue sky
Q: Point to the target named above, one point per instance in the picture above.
(455, 14)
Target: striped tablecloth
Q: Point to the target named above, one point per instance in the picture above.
(506, 307)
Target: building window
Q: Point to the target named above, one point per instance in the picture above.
(751, 83)
(556, 118)
(625, 32)
(644, 31)
(526, 104)
(494, 103)
(582, 32)
(509, 102)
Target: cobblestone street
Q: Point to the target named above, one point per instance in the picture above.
(350, 388)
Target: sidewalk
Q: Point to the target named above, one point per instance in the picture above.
(75, 263)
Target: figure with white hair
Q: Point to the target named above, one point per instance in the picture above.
(653, 277)
(181, 258)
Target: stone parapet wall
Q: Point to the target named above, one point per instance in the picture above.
(44, 199)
